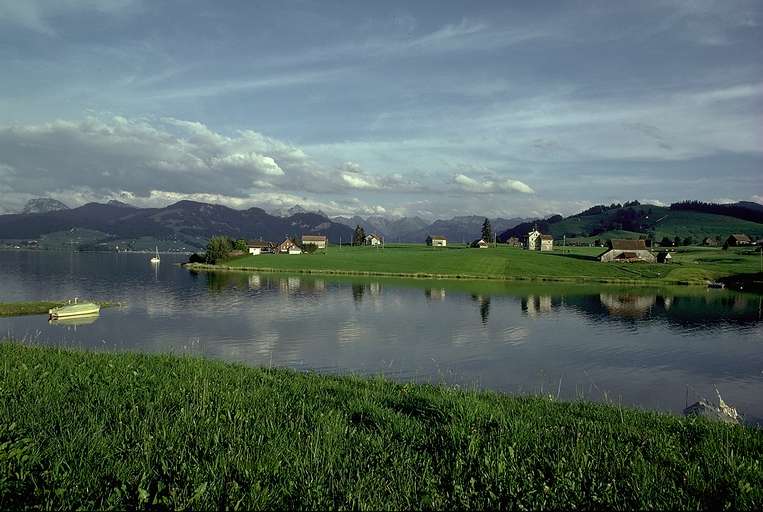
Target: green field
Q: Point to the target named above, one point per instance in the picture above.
(691, 264)
(95, 431)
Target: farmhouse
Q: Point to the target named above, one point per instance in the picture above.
(627, 250)
(709, 241)
(289, 246)
(664, 257)
(257, 247)
(437, 241)
(373, 239)
(320, 241)
(536, 241)
(480, 244)
(737, 240)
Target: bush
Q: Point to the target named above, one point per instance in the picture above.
(219, 249)
(309, 248)
(196, 258)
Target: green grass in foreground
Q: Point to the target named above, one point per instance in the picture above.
(86, 430)
(579, 263)
(35, 308)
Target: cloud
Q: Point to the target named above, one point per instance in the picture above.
(249, 161)
(359, 182)
(168, 159)
(487, 186)
(35, 14)
(516, 186)
(140, 155)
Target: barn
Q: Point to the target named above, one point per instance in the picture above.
(628, 251)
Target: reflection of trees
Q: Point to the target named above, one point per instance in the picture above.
(357, 292)
(484, 302)
(218, 281)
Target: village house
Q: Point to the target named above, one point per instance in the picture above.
(514, 242)
(537, 241)
(320, 241)
(289, 246)
(480, 244)
(437, 241)
(373, 239)
(257, 247)
(737, 240)
(627, 250)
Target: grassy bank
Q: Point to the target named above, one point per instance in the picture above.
(127, 430)
(28, 308)
(36, 308)
(690, 265)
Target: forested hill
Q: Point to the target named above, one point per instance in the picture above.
(744, 210)
(687, 220)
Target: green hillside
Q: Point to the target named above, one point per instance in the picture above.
(657, 221)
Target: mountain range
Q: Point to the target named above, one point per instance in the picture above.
(187, 225)
(183, 225)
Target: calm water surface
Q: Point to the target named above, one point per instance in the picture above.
(642, 347)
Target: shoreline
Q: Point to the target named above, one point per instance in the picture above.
(454, 277)
(40, 307)
(184, 432)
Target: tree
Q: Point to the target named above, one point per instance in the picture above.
(241, 245)
(677, 241)
(218, 249)
(487, 231)
(359, 236)
(666, 242)
(688, 240)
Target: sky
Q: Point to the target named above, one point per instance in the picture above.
(386, 108)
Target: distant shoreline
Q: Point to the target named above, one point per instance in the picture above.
(461, 277)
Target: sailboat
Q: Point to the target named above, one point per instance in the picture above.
(156, 258)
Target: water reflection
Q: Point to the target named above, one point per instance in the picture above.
(641, 345)
(74, 321)
(434, 293)
(536, 305)
(484, 302)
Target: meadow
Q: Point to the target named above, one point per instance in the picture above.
(693, 265)
(107, 430)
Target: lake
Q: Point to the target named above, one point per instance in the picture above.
(650, 348)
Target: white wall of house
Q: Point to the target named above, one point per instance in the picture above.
(255, 251)
(532, 240)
